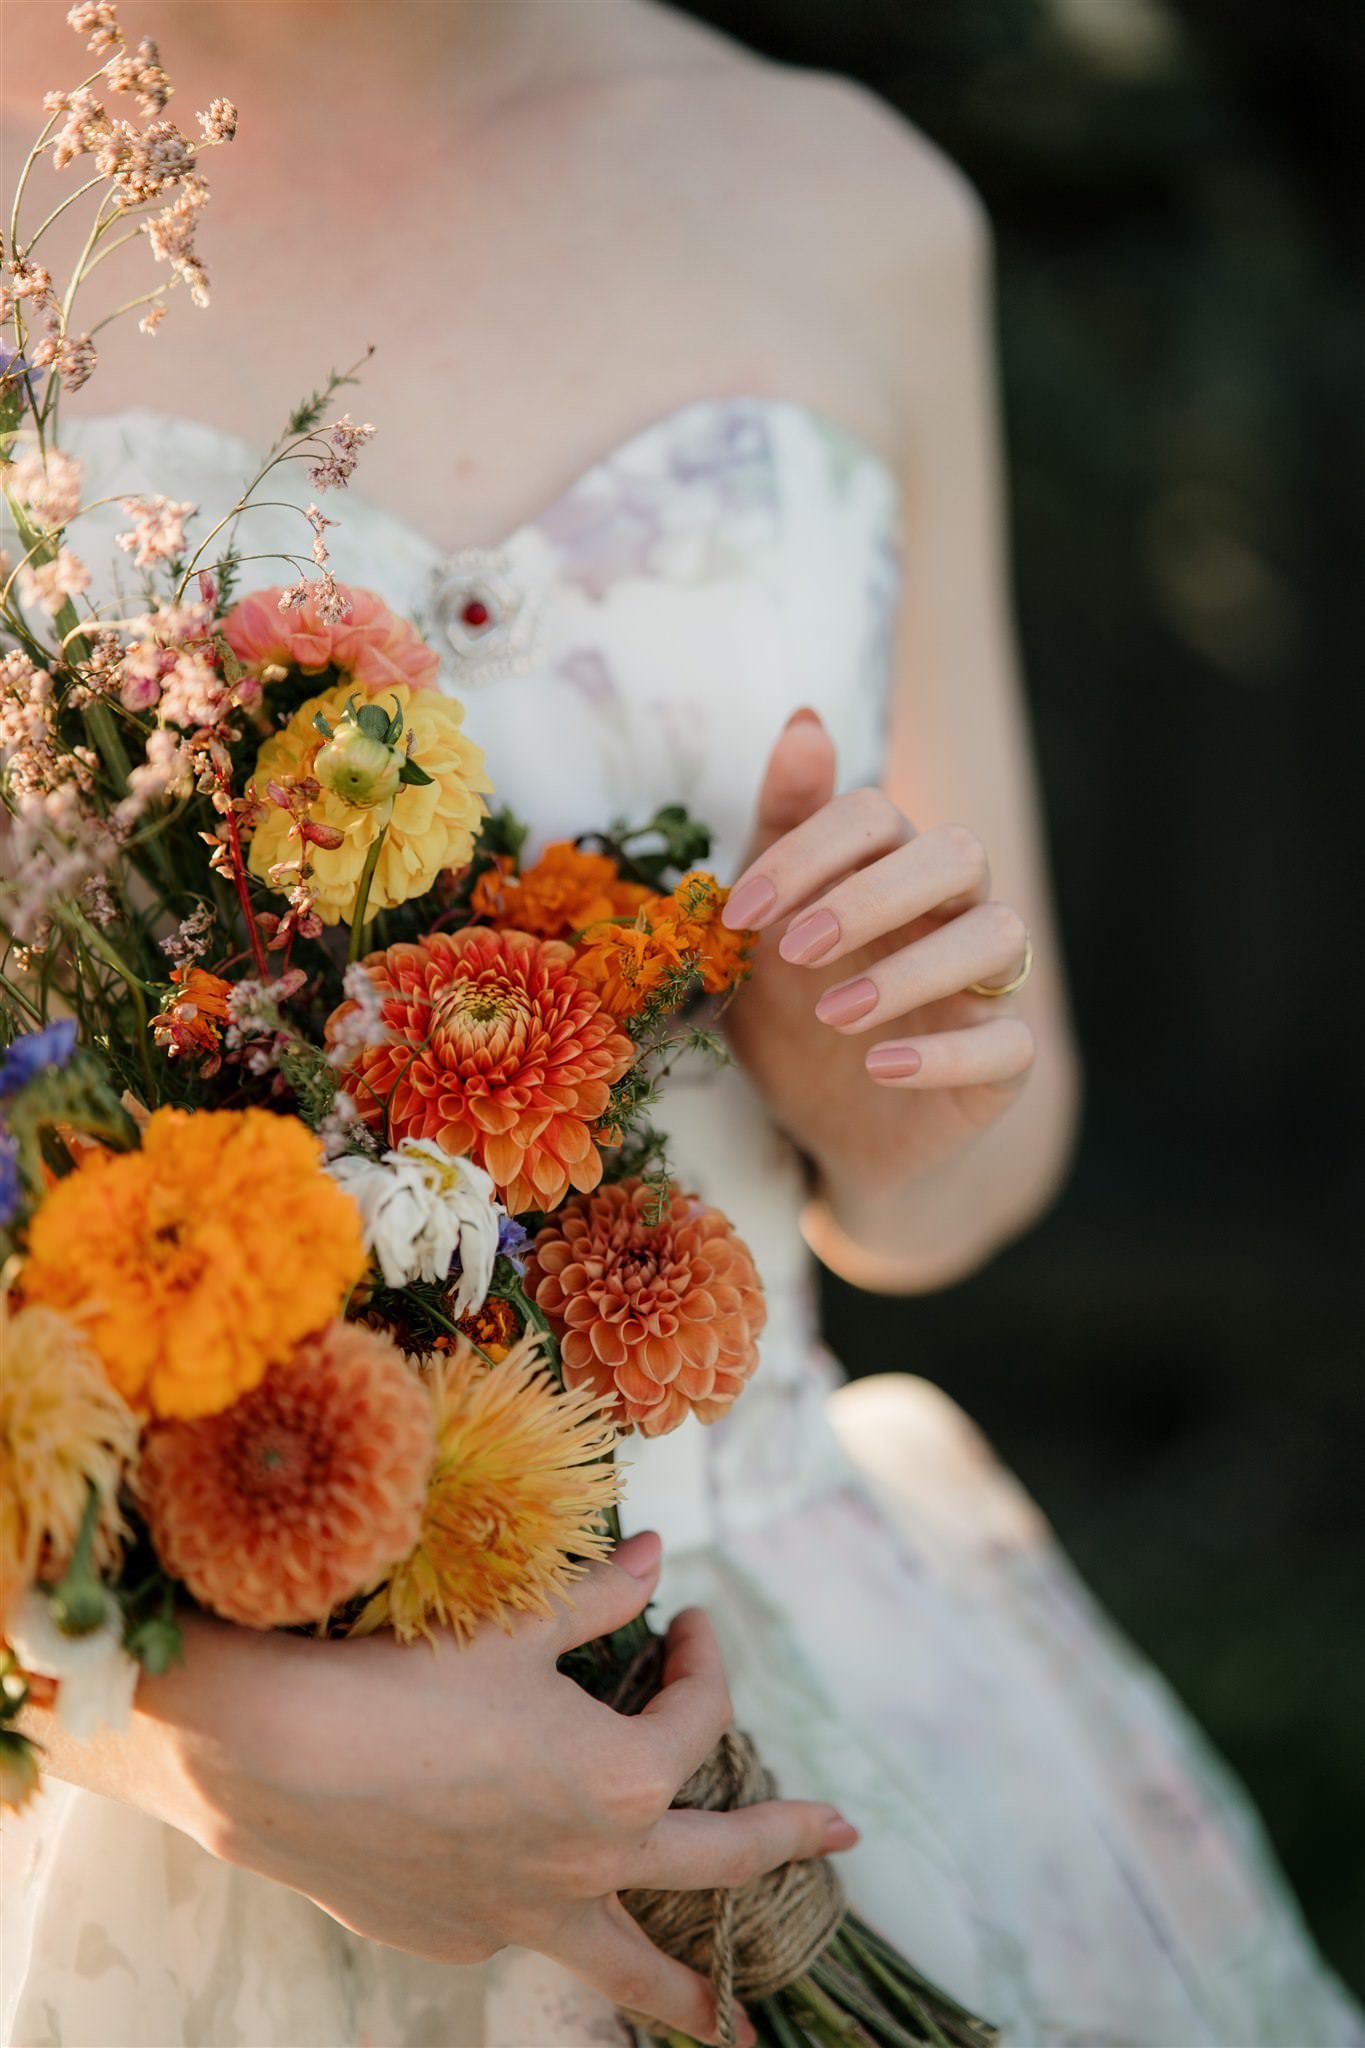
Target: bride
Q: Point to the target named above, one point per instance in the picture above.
(688, 459)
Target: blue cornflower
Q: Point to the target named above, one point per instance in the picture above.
(36, 1051)
(514, 1241)
(10, 1190)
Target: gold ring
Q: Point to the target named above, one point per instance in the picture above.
(1007, 988)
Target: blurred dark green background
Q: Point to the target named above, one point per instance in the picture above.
(1173, 1362)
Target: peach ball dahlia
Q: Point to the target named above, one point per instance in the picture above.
(495, 1050)
(372, 648)
(657, 1312)
(303, 1493)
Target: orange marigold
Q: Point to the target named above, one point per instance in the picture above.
(497, 1051)
(514, 1505)
(626, 964)
(302, 1494)
(657, 1304)
(199, 1260)
(191, 1024)
(561, 893)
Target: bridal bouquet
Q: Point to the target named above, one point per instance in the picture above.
(338, 1251)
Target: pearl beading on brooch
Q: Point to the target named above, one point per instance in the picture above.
(487, 616)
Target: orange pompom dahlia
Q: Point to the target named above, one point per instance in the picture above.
(496, 1051)
(372, 647)
(303, 1493)
(201, 1259)
(660, 1317)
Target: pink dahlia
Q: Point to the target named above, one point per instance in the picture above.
(373, 648)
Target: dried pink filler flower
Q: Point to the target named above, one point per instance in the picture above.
(158, 530)
(372, 647)
(334, 471)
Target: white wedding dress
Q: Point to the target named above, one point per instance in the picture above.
(1043, 1830)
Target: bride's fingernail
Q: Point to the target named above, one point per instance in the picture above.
(810, 938)
(754, 900)
(639, 1555)
(847, 1001)
(746, 2033)
(840, 1834)
(892, 1062)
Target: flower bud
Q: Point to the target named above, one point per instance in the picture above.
(359, 769)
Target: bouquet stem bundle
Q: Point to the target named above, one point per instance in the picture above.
(809, 1972)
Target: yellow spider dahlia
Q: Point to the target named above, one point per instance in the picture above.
(513, 1502)
(63, 1429)
(431, 826)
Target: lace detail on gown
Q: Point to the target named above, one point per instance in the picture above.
(1044, 1832)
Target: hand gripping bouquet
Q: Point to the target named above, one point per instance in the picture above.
(339, 1254)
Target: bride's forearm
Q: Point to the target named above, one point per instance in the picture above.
(940, 1227)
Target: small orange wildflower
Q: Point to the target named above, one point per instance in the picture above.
(625, 964)
(564, 891)
(191, 1024)
(724, 957)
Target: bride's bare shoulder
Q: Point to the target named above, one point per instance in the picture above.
(816, 145)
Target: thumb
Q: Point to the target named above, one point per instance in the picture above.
(798, 780)
(611, 1593)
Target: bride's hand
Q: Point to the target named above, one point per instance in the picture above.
(858, 1023)
(456, 1803)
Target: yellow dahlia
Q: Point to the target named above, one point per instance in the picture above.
(658, 1307)
(304, 1492)
(201, 1259)
(497, 1051)
(63, 1429)
(514, 1501)
(428, 827)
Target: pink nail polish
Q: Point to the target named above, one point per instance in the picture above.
(754, 900)
(847, 1001)
(810, 938)
(893, 1062)
(840, 1834)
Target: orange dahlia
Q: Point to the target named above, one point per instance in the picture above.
(561, 893)
(63, 1429)
(514, 1503)
(304, 1492)
(199, 1260)
(371, 647)
(655, 1301)
(495, 1050)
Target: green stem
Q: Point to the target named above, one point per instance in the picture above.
(362, 895)
(136, 987)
